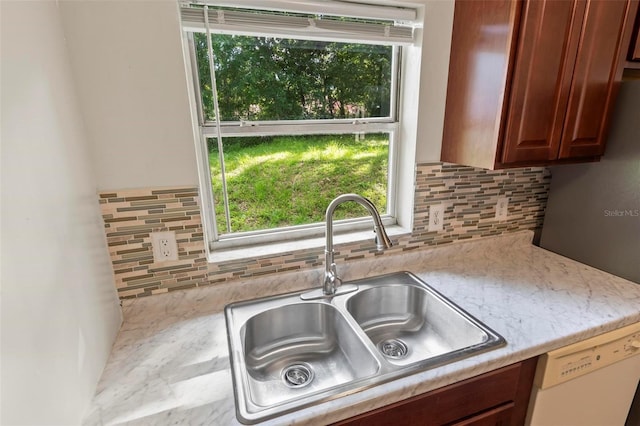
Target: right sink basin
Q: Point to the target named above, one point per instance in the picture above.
(409, 322)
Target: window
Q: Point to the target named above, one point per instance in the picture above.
(297, 109)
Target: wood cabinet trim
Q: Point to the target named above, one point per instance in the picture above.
(525, 385)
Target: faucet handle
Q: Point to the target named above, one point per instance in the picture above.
(331, 280)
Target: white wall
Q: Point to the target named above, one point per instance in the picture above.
(60, 312)
(129, 69)
(434, 74)
(128, 64)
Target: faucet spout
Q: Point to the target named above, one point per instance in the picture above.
(331, 279)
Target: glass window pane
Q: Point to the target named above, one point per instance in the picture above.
(289, 180)
(266, 78)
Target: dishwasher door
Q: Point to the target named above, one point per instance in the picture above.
(591, 383)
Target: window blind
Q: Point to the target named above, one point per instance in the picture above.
(341, 8)
(295, 25)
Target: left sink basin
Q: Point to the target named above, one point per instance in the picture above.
(299, 349)
(293, 355)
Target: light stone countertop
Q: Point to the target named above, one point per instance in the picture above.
(170, 363)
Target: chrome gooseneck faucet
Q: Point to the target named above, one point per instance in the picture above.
(332, 284)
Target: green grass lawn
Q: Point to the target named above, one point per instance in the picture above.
(290, 180)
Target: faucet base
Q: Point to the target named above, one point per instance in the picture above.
(319, 294)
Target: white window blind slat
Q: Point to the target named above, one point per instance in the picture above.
(343, 8)
(287, 26)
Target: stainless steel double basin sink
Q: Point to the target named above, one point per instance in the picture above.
(288, 353)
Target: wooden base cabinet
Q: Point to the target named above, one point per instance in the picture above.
(497, 398)
(533, 81)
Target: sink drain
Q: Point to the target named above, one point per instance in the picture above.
(393, 348)
(297, 375)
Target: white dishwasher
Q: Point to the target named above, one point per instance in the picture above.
(589, 383)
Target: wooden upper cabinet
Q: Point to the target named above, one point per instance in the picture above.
(538, 93)
(533, 81)
(595, 78)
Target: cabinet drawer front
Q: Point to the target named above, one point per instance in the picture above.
(500, 416)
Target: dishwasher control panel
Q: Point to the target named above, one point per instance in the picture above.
(578, 359)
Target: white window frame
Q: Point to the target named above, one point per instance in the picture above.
(208, 129)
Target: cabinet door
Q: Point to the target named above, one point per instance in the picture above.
(596, 77)
(540, 89)
(634, 48)
(635, 52)
(482, 44)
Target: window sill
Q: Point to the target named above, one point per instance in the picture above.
(272, 249)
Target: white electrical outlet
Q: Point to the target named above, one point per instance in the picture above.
(502, 208)
(436, 217)
(164, 245)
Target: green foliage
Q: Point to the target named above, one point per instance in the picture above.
(263, 78)
(234, 144)
(290, 180)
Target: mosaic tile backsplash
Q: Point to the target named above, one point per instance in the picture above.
(129, 218)
(468, 194)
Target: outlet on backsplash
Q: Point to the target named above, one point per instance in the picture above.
(502, 208)
(436, 217)
(164, 245)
